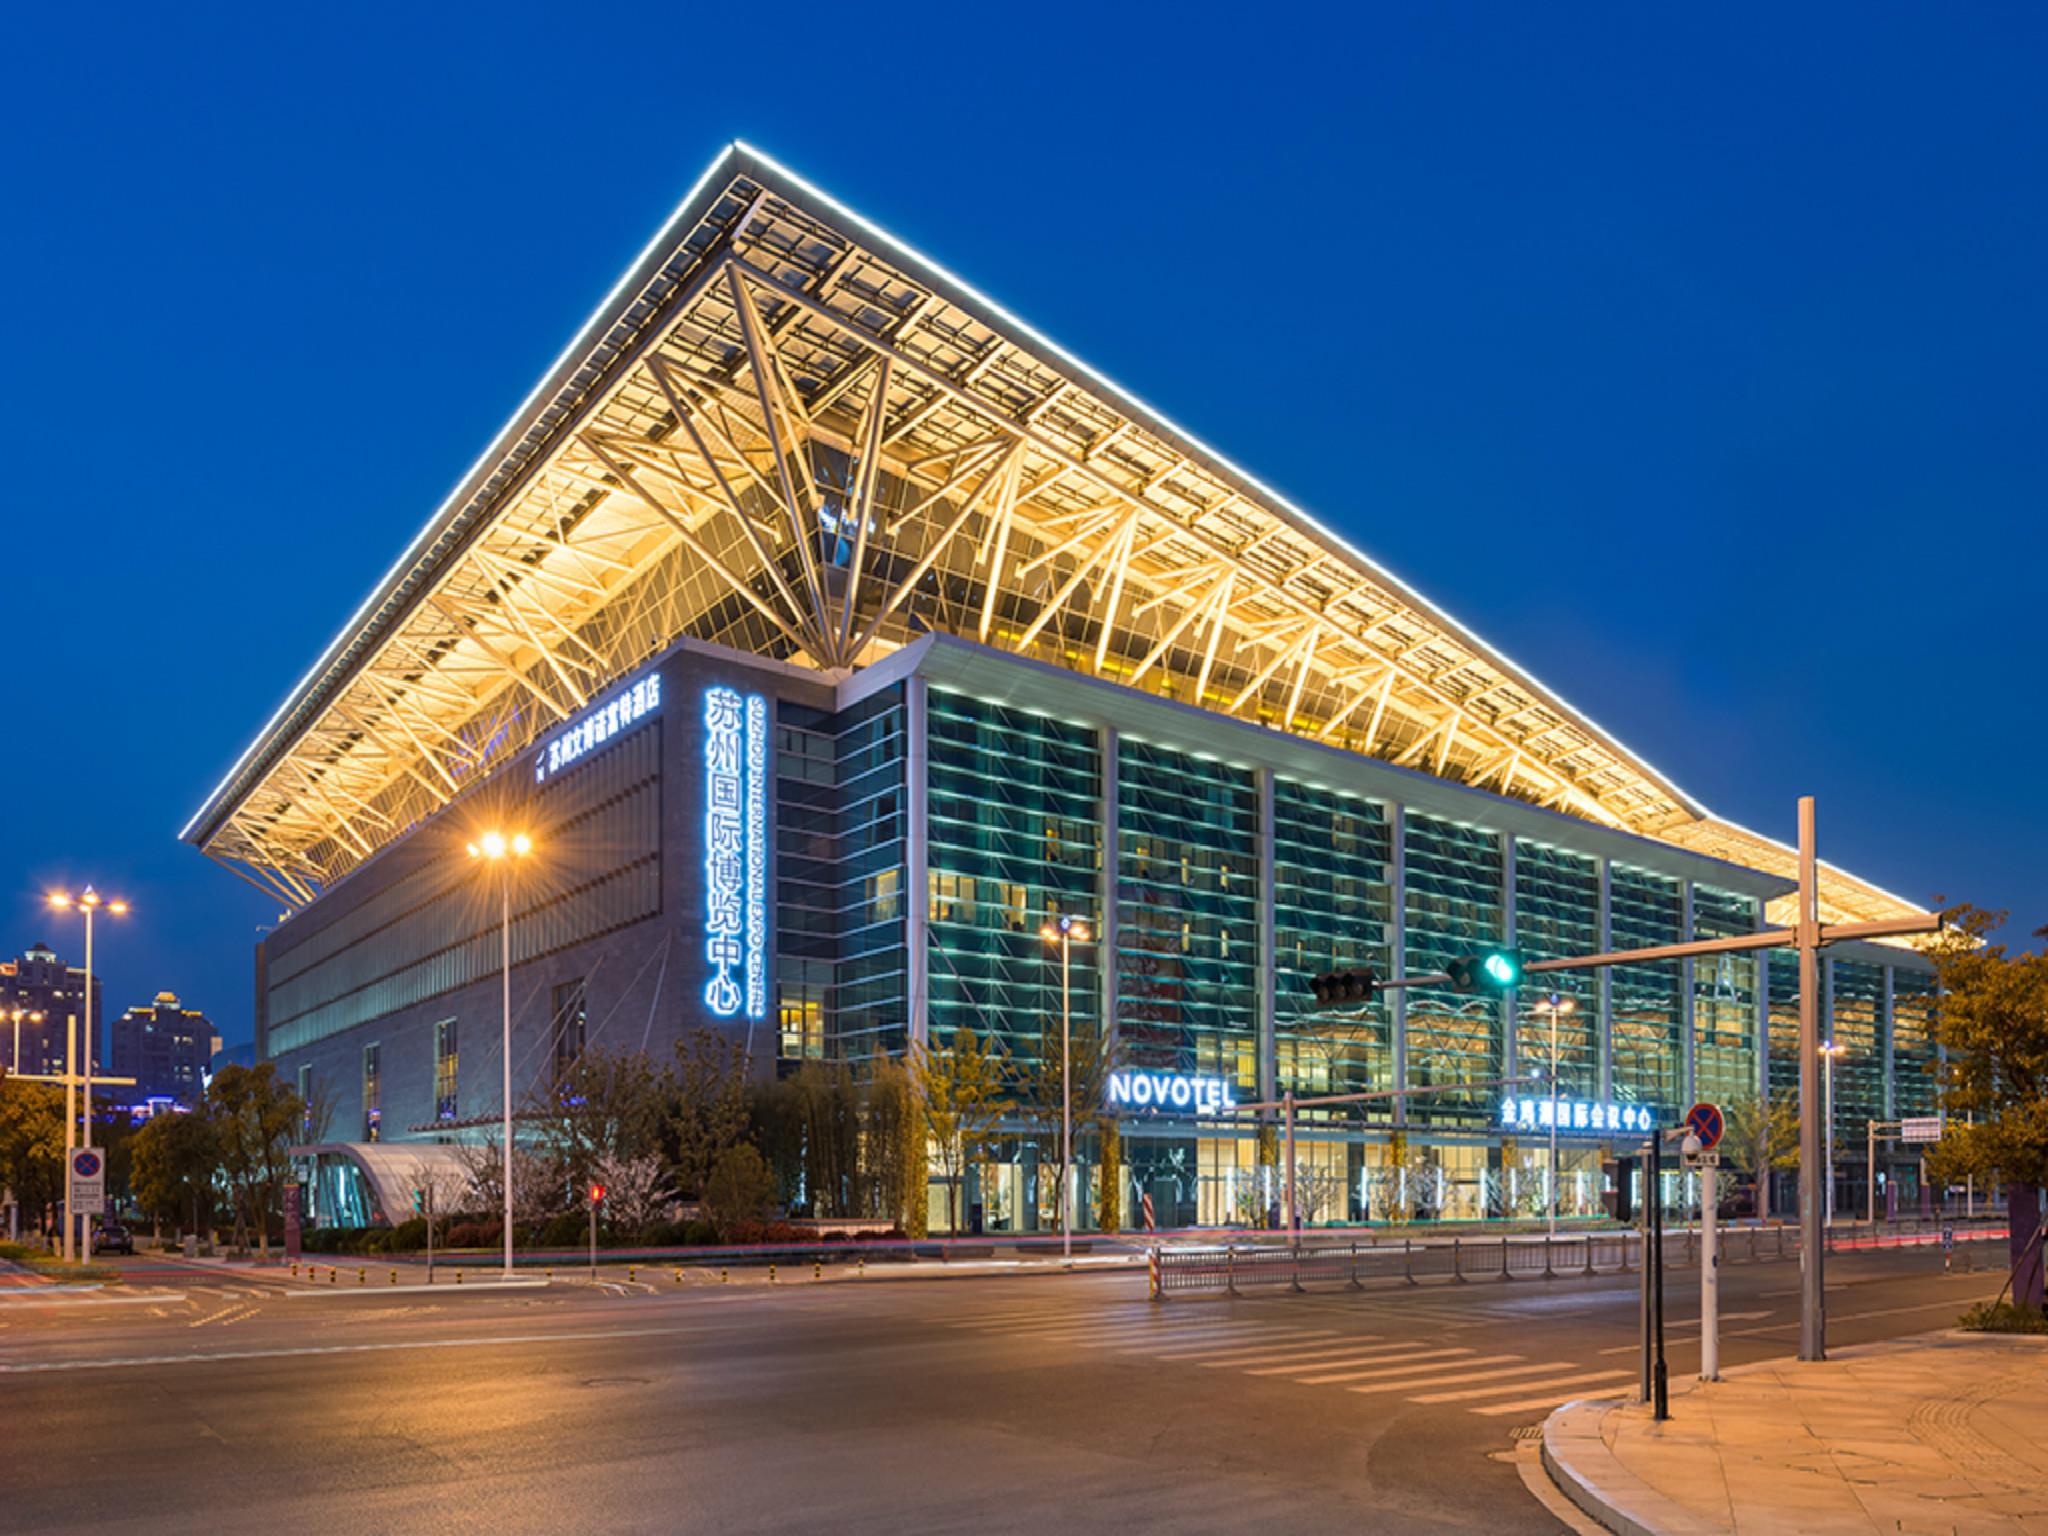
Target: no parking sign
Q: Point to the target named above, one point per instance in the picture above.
(88, 1182)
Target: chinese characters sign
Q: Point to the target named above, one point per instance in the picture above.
(599, 726)
(736, 853)
(1575, 1116)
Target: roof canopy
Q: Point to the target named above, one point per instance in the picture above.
(785, 431)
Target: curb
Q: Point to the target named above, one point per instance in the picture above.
(1592, 1477)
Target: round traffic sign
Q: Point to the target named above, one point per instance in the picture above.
(85, 1163)
(1704, 1121)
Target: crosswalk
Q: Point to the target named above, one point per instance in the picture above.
(1408, 1365)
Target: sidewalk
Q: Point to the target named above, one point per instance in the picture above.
(1941, 1433)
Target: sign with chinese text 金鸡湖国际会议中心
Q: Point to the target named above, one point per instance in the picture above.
(1170, 1091)
(1575, 1117)
(736, 852)
(597, 726)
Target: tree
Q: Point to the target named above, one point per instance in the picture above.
(176, 1156)
(256, 1118)
(1760, 1137)
(32, 1145)
(539, 1187)
(960, 1097)
(1993, 1027)
(708, 1108)
(739, 1189)
(636, 1190)
(1046, 1086)
(608, 1107)
(1109, 1201)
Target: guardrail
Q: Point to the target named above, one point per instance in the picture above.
(1236, 1267)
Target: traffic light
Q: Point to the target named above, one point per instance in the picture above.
(597, 1194)
(1335, 987)
(419, 1202)
(1491, 970)
(1617, 1199)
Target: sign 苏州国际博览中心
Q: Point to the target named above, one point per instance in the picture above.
(1570, 1117)
(1170, 1091)
(736, 852)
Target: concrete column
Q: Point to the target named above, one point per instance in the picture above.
(1108, 933)
(917, 861)
(1397, 956)
(1688, 1035)
(1268, 941)
(1603, 1000)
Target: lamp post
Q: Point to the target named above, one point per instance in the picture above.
(1828, 1052)
(1066, 931)
(88, 902)
(496, 849)
(1555, 1004)
(34, 1016)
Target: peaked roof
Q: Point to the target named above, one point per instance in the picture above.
(785, 431)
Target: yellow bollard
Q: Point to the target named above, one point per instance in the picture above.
(863, 1266)
(362, 1277)
(679, 1277)
(394, 1277)
(771, 1274)
(818, 1269)
(333, 1275)
(551, 1277)
(721, 1277)
(295, 1271)
(629, 1274)
(458, 1277)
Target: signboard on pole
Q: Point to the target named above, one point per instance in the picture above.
(1705, 1122)
(1920, 1128)
(88, 1182)
(294, 1221)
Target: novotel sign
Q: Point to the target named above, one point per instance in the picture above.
(1575, 1116)
(1170, 1091)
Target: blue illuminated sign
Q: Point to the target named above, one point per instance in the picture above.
(1575, 1117)
(736, 852)
(598, 726)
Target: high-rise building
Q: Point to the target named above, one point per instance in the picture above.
(165, 1047)
(38, 982)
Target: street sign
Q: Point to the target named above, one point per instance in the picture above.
(1921, 1128)
(88, 1182)
(1704, 1121)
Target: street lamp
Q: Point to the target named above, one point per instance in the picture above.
(1555, 1004)
(496, 849)
(1066, 931)
(1828, 1052)
(34, 1016)
(88, 902)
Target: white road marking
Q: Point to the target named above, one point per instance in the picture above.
(1386, 1354)
(1498, 1385)
(1559, 1386)
(1525, 1405)
(1409, 1370)
(201, 1358)
(1274, 1348)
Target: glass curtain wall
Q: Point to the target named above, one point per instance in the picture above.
(1646, 909)
(1723, 1000)
(1453, 905)
(1015, 841)
(1557, 913)
(1858, 1027)
(1333, 909)
(1915, 1061)
(1187, 914)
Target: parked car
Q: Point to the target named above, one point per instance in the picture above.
(112, 1237)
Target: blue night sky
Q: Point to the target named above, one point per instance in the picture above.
(1694, 358)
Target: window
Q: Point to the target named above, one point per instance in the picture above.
(373, 1092)
(882, 889)
(570, 1014)
(952, 898)
(444, 1070)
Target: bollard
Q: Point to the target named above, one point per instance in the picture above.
(458, 1277)
(1457, 1263)
(1589, 1253)
(1504, 1260)
(679, 1277)
(771, 1274)
(394, 1277)
(721, 1276)
(1354, 1267)
(362, 1277)
(863, 1266)
(295, 1271)
(333, 1275)
(1230, 1268)
(630, 1269)
(1407, 1261)
(818, 1269)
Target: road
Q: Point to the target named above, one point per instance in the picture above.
(201, 1399)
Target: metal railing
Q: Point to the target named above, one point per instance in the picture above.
(1233, 1267)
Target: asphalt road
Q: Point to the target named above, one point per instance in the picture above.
(208, 1401)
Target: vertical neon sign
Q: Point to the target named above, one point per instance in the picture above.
(736, 853)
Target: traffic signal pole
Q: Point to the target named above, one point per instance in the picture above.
(1808, 937)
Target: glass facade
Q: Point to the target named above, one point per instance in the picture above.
(1453, 903)
(1187, 914)
(1723, 1000)
(1557, 912)
(1333, 909)
(1646, 909)
(1916, 1063)
(1857, 992)
(1015, 841)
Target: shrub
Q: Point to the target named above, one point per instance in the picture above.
(566, 1230)
(664, 1234)
(2003, 1317)
(699, 1233)
(407, 1236)
(475, 1234)
(739, 1189)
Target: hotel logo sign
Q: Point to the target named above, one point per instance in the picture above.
(1171, 1091)
(597, 727)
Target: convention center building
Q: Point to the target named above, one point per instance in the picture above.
(831, 634)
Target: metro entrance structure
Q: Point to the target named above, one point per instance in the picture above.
(834, 633)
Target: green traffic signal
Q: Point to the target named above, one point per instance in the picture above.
(1491, 970)
(1502, 968)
